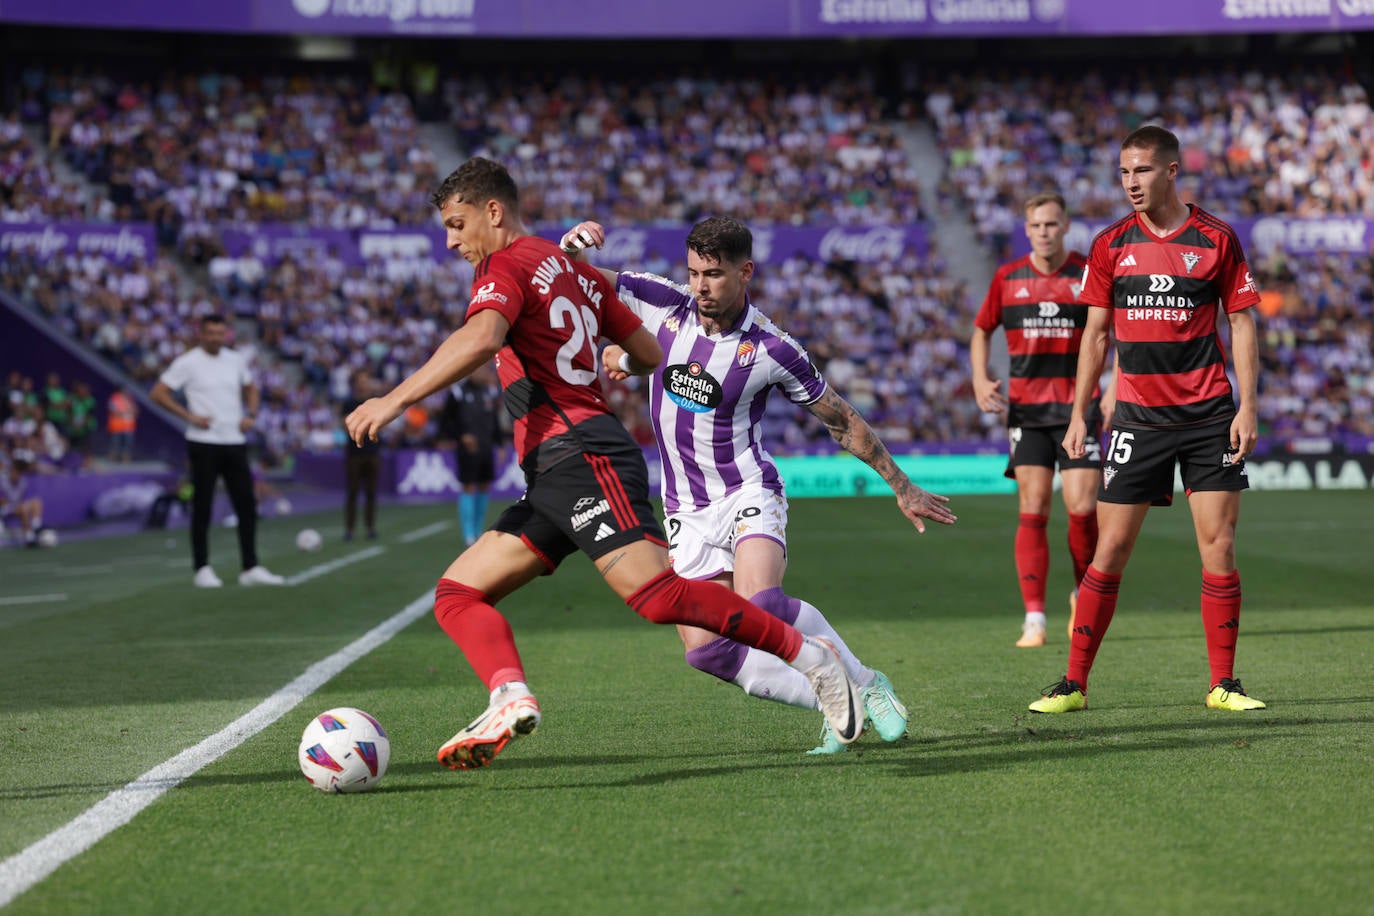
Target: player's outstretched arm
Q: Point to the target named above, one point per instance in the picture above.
(467, 348)
(854, 434)
(586, 234)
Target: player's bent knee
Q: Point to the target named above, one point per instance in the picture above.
(453, 598)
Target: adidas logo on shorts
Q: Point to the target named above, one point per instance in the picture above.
(603, 532)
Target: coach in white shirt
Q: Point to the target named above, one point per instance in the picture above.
(217, 386)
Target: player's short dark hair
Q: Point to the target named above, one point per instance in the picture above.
(475, 182)
(1163, 143)
(213, 318)
(1045, 197)
(722, 238)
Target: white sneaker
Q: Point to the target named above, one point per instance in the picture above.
(513, 713)
(206, 578)
(838, 695)
(260, 575)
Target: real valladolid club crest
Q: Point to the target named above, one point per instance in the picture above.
(1190, 259)
(745, 354)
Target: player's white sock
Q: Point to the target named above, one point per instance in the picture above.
(518, 687)
(813, 623)
(770, 678)
(1037, 617)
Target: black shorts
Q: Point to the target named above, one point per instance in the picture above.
(476, 467)
(1043, 447)
(1140, 461)
(593, 503)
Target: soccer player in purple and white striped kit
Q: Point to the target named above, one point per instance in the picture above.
(723, 497)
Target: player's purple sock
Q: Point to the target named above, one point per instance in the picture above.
(778, 603)
(721, 657)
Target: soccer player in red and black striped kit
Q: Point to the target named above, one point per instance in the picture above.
(1035, 299)
(1159, 278)
(540, 315)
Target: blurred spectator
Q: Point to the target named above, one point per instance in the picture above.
(83, 423)
(122, 424)
(17, 504)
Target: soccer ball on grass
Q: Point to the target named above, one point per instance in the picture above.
(344, 750)
(309, 540)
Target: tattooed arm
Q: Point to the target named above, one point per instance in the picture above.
(854, 434)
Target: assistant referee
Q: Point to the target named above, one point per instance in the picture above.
(221, 404)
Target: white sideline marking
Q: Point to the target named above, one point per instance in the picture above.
(23, 870)
(34, 599)
(316, 571)
(425, 531)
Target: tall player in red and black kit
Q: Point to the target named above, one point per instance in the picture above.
(1035, 299)
(1161, 277)
(540, 315)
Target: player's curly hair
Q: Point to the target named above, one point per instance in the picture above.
(722, 238)
(475, 182)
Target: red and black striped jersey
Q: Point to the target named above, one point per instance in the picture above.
(1164, 293)
(558, 309)
(1044, 322)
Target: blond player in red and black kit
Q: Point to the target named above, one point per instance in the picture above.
(540, 315)
(1160, 278)
(1036, 300)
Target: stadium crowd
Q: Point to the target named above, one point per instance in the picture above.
(196, 152)
(817, 148)
(1285, 142)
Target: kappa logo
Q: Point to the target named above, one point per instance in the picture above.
(429, 474)
(1108, 475)
(1128, 261)
(1161, 283)
(1190, 260)
(603, 532)
(1023, 293)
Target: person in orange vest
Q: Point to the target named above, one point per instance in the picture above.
(121, 423)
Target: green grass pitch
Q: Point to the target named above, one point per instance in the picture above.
(651, 788)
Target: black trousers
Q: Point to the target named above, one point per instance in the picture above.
(208, 464)
(361, 472)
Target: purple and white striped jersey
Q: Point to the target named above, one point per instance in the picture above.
(708, 397)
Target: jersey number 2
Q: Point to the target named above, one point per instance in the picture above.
(581, 322)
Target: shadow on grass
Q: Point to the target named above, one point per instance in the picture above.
(1028, 738)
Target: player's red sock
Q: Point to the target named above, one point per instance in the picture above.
(480, 630)
(669, 598)
(1082, 542)
(1096, 605)
(1221, 621)
(1032, 560)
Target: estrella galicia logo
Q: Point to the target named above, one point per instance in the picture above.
(691, 387)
